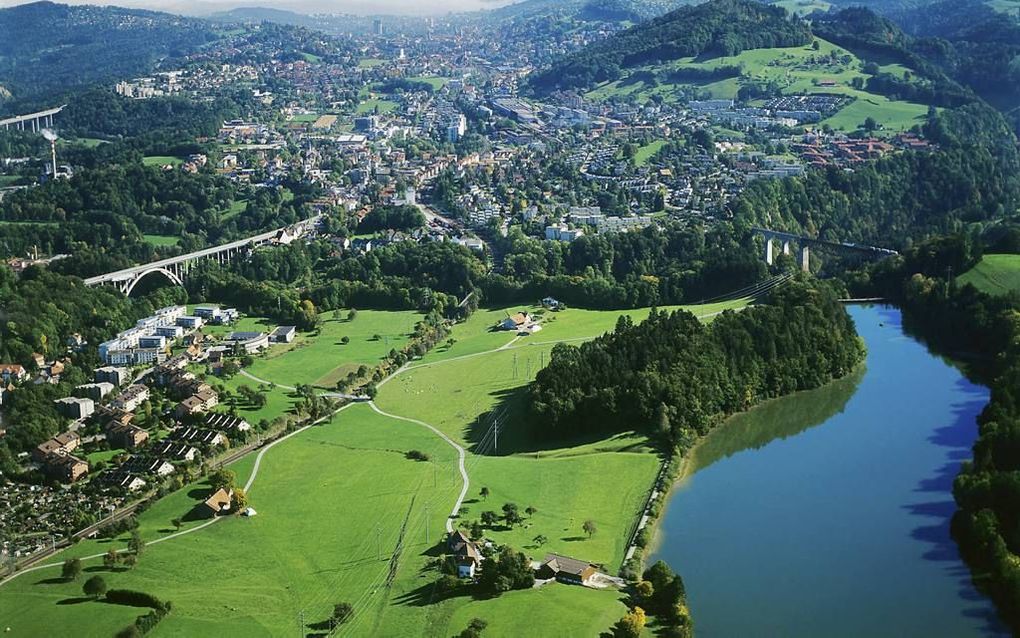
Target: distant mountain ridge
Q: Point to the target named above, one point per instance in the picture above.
(718, 27)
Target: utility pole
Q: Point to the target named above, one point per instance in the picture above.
(495, 441)
(515, 365)
(301, 623)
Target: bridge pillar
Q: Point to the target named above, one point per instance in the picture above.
(786, 246)
(769, 257)
(805, 259)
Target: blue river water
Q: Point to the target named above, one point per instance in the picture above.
(827, 513)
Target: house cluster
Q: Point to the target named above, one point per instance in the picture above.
(147, 342)
(468, 557)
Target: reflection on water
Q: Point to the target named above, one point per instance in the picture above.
(827, 513)
(778, 419)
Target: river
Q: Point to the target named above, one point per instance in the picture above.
(827, 513)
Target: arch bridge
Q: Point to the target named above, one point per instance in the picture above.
(176, 269)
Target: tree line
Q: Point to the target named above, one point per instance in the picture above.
(674, 376)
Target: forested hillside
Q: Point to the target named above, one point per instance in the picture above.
(955, 45)
(675, 375)
(718, 27)
(907, 196)
(44, 45)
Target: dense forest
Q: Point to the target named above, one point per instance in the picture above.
(675, 376)
(81, 45)
(716, 28)
(972, 177)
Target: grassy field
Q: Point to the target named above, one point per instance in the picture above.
(797, 70)
(332, 501)
(161, 240)
(994, 274)
(161, 160)
(305, 117)
(802, 7)
(367, 107)
(322, 360)
(646, 152)
(434, 80)
(370, 63)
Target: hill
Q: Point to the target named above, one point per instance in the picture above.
(994, 274)
(44, 45)
(716, 28)
(266, 14)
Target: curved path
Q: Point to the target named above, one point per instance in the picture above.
(460, 461)
(328, 395)
(247, 486)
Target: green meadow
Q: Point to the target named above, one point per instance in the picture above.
(368, 107)
(336, 500)
(994, 274)
(161, 241)
(162, 160)
(797, 70)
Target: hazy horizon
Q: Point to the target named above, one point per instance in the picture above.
(358, 7)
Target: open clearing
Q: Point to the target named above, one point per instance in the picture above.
(994, 274)
(332, 500)
(162, 160)
(161, 241)
(796, 70)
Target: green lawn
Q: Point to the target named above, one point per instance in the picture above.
(161, 240)
(236, 208)
(995, 274)
(162, 160)
(322, 359)
(367, 107)
(802, 7)
(305, 117)
(646, 152)
(434, 80)
(370, 63)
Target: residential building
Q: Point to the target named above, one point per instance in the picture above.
(131, 398)
(75, 407)
(111, 374)
(12, 373)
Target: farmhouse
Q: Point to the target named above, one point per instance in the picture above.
(518, 321)
(219, 502)
(465, 554)
(566, 570)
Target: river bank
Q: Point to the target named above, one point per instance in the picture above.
(786, 513)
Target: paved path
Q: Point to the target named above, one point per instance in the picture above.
(460, 461)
